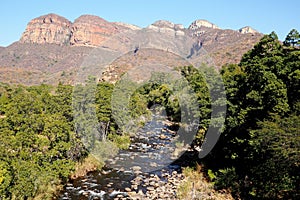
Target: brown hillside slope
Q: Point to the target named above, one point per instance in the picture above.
(52, 48)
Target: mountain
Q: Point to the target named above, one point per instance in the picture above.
(33, 64)
(47, 29)
(224, 45)
(87, 30)
(52, 48)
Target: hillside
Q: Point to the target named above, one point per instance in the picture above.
(33, 64)
(52, 48)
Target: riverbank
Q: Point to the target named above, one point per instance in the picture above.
(195, 186)
(89, 164)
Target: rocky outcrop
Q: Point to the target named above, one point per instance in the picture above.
(92, 30)
(51, 29)
(164, 26)
(247, 29)
(87, 30)
(223, 45)
(128, 26)
(199, 27)
(200, 23)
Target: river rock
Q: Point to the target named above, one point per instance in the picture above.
(162, 137)
(153, 164)
(138, 172)
(134, 187)
(85, 193)
(136, 168)
(172, 132)
(150, 188)
(151, 183)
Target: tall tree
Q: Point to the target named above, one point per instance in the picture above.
(259, 87)
(292, 39)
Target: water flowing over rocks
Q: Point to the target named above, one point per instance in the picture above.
(145, 171)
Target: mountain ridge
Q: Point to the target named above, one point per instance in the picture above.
(52, 48)
(91, 30)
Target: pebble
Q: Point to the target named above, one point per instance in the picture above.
(162, 137)
(150, 188)
(136, 168)
(157, 188)
(153, 164)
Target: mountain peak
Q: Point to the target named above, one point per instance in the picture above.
(247, 29)
(165, 26)
(90, 19)
(197, 24)
(129, 26)
(87, 30)
(50, 28)
(91, 30)
(51, 18)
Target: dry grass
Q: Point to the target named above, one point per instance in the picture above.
(89, 164)
(197, 187)
(48, 191)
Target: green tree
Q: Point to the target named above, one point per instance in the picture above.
(103, 108)
(292, 39)
(36, 142)
(276, 144)
(264, 84)
(292, 77)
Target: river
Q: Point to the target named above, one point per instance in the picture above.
(145, 168)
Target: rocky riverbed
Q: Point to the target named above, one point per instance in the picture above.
(146, 170)
(153, 186)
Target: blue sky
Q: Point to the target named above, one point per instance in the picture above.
(264, 15)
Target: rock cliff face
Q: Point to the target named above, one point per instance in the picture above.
(224, 45)
(127, 26)
(87, 30)
(164, 26)
(247, 29)
(200, 23)
(92, 30)
(51, 28)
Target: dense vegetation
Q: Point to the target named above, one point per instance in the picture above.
(258, 155)
(38, 146)
(40, 142)
(46, 130)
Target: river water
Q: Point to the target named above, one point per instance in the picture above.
(152, 152)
